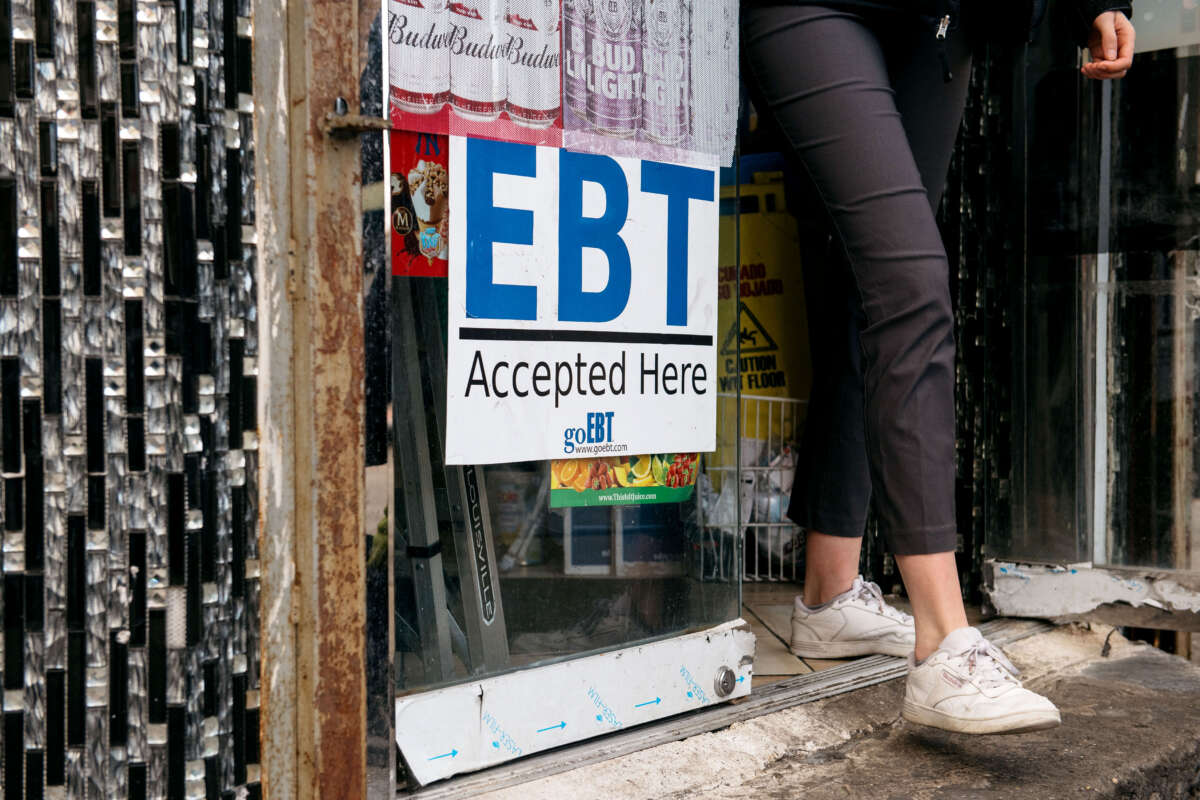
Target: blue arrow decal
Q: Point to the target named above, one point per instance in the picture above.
(559, 726)
(741, 678)
(451, 754)
(653, 702)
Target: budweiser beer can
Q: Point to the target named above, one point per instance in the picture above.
(665, 47)
(614, 74)
(477, 58)
(533, 62)
(575, 15)
(418, 55)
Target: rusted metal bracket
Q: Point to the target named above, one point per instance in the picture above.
(346, 126)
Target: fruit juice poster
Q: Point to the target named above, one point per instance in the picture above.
(419, 203)
(613, 481)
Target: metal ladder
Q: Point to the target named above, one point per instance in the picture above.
(435, 501)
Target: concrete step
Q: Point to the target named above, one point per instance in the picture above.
(1131, 728)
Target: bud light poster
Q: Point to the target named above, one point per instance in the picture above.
(420, 203)
(651, 78)
(582, 310)
(640, 78)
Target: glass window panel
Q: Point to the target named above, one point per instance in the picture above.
(567, 582)
(1153, 303)
(570, 581)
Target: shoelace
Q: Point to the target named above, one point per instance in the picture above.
(990, 666)
(870, 592)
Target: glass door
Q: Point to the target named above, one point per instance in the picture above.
(490, 576)
(1104, 403)
(1147, 301)
(495, 571)
(516, 607)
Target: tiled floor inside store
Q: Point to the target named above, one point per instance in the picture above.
(767, 609)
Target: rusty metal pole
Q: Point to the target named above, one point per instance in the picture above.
(311, 404)
(276, 410)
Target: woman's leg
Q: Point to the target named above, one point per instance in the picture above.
(933, 589)
(832, 488)
(825, 76)
(931, 119)
(830, 566)
(829, 82)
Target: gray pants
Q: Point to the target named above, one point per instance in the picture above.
(861, 100)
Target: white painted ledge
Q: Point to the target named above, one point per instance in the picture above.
(480, 724)
(1053, 592)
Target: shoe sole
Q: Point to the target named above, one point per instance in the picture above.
(849, 649)
(1018, 722)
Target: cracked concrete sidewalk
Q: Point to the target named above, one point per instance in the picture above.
(1131, 728)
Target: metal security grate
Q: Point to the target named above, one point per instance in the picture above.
(768, 430)
(128, 337)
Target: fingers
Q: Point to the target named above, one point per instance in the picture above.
(1106, 48)
(1111, 46)
(1125, 38)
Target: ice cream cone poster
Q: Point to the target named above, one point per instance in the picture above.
(620, 481)
(419, 207)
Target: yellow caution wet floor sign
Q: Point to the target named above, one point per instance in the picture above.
(770, 335)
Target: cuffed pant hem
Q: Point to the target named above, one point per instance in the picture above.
(829, 524)
(922, 541)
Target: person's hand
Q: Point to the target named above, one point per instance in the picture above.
(1111, 45)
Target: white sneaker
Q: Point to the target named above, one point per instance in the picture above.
(968, 686)
(855, 623)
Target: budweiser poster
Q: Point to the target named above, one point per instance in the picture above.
(639, 78)
(488, 68)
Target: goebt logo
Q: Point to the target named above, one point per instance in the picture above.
(599, 430)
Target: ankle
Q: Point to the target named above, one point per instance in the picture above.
(929, 640)
(818, 592)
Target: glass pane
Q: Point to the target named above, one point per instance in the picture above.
(492, 568)
(765, 354)
(1165, 24)
(1104, 405)
(570, 580)
(1052, 236)
(380, 697)
(1151, 309)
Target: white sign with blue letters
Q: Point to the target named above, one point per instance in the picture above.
(583, 305)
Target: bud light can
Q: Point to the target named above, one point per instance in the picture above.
(477, 58)
(665, 47)
(575, 15)
(532, 42)
(418, 55)
(615, 67)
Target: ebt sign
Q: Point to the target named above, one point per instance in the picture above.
(583, 300)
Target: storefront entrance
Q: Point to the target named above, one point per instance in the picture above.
(517, 624)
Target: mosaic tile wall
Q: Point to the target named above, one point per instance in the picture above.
(128, 336)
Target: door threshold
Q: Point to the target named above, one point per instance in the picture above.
(857, 674)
